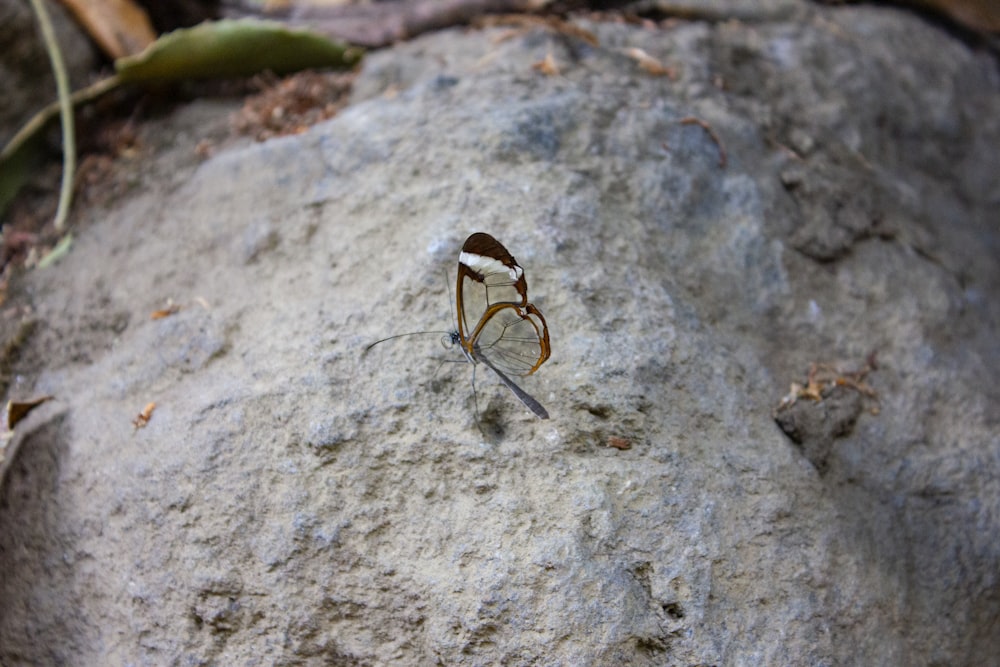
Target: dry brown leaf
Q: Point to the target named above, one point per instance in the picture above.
(292, 104)
(170, 309)
(618, 442)
(525, 22)
(823, 377)
(120, 27)
(650, 64)
(691, 120)
(547, 65)
(143, 417)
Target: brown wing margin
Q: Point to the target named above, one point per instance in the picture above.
(543, 339)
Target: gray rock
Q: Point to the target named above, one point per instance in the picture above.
(292, 501)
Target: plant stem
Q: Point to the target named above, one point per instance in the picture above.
(65, 113)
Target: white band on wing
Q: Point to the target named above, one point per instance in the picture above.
(484, 266)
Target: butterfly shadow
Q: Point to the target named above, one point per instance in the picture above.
(489, 420)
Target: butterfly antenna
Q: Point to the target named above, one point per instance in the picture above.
(412, 333)
(420, 333)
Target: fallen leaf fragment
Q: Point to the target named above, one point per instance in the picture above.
(618, 442)
(120, 27)
(649, 64)
(525, 22)
(691, 120)
(170, 309)
(547, 65)
(824, 377)
(16, 411)
(143, 417)
(292, 104)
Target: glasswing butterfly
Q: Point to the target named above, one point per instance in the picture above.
(496, 325)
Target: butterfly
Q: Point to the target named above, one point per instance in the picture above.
(497, 327)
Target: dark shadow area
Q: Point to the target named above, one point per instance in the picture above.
(39, 619)
(935, 562)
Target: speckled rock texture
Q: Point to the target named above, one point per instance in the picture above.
(295, 502)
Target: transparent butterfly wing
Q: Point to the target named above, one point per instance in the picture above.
(513, 339)
(495, 320)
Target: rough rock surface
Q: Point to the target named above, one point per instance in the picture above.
(294, 502)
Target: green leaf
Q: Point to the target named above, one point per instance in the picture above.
(232, 48)
(211, 50)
